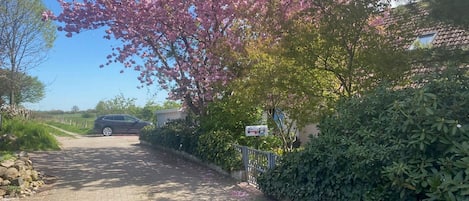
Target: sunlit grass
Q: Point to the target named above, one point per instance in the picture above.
(6, 155)
(30, 136)
(70, 128)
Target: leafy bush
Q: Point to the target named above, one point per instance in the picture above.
(217, 147)
(88, 115)
(408, 144)
(336, 165)
(178, 135)
(26, 135)
(231, 115)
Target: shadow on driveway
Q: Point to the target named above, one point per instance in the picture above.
(118, 168)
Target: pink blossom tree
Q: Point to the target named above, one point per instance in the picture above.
(191, 48)
(184, 46)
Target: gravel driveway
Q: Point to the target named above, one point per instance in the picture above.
(118, 168)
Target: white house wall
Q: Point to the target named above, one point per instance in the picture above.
(163, 116)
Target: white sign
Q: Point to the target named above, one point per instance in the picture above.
(260, 130)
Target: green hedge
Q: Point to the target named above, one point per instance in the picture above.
(217, 147)
(408, 144)
(179, 135)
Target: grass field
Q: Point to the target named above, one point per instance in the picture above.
(72, 122)
(71, 128)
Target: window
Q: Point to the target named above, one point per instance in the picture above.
(118, 118)
(423, 41)
(129, 118)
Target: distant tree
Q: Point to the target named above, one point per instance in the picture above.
(100, 108)
(148, 111)
(25, 40)
(170, 105)
(75, 109)
(119, 104)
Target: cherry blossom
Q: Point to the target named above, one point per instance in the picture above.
(184, 46)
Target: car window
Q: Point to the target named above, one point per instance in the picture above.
(119, 118)
(129, 118)
(108, 118)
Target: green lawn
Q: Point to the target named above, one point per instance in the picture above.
(71, 127)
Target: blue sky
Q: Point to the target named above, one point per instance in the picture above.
(72, 75)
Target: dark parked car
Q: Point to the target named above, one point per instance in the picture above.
(118, 123)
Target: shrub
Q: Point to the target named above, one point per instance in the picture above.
(217, 147)
(232, 116)
(342, 164)
(88, 115)
(177, 134)
(408, 144)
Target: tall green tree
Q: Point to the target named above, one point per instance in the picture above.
(346, 40)
(25, 39)
(298, 62)
(291, 95)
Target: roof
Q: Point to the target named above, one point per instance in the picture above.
(169, 110)
(417, 22)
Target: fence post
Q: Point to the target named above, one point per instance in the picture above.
(271, 160)
(245, 157)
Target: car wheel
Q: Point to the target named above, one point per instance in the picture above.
(107, 131)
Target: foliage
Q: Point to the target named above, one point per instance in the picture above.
(88, 115)
(75, 109)
(179, 135)
(118, 104)
(230, 114)
(28, 136)
(346, 41)
(6, 155)
(184, 45)
(452, 11)
(195, 48)
(217, 147)
(407, 144)
(290, 97)
(29, 89)
(309, 54)
(148, 111)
